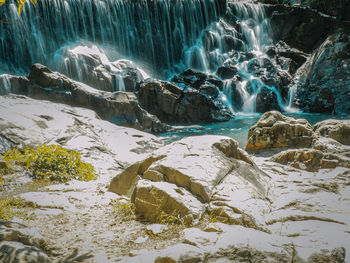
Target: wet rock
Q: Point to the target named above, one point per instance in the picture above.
(290, 59)
(121, 107)
(276, 130)
(91, 66)
(338, 130)
(266, 100)
(196, 79)
(226, 72)
(300, 28)
(184, 104)
(324, 78)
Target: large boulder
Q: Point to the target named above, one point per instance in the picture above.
(324, 78)
(338, 130)
(183, 178)
(120, 107)
(181, 103)
(274, 129)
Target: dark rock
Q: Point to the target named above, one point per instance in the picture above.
(301, 28)
(266, 100)
(324, 79)
(120, 107)
(184, 104)
(226, 72)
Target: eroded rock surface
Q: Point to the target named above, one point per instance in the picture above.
(338, 130)
(194, 174)
(276, 130)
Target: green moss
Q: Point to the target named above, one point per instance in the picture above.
(51, 162)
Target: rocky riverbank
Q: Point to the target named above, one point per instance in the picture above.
(281, 197)
(286, 202)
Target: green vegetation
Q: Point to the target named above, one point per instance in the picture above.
(170, 219)
(10, 207)
(51, 162)
(124, 209)
(20, 4)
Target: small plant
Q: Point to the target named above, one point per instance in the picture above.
(124, 209)
(212, 218)
(52, 162)
(170, 219)
(10, 207)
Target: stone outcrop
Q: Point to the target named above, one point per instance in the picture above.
(27, 122)
(324, 78)
(276, 130)
(195, 173)
(121, 107)
(196, 103)
(338, 130)
(302, 28)
(311, 159)
(21, 244)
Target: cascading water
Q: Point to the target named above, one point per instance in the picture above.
(165, 35)
(239, 41)
(155, 31)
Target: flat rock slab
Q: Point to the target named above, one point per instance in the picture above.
(27, 122)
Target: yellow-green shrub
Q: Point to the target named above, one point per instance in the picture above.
(52, 162)
(124, 209)
(10, 207)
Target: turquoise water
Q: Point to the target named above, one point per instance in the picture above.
(236, 128)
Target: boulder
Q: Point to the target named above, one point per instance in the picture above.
(310, 159)
(324, 78)
(338, 130)
(274, 129)
(193, 173)
(175, 103)
(266, 100)
(226, 72)
(120, 107)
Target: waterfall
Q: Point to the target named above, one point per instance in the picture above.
(5, 86)
(240, 39)
(156, 32)
(164, 36)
